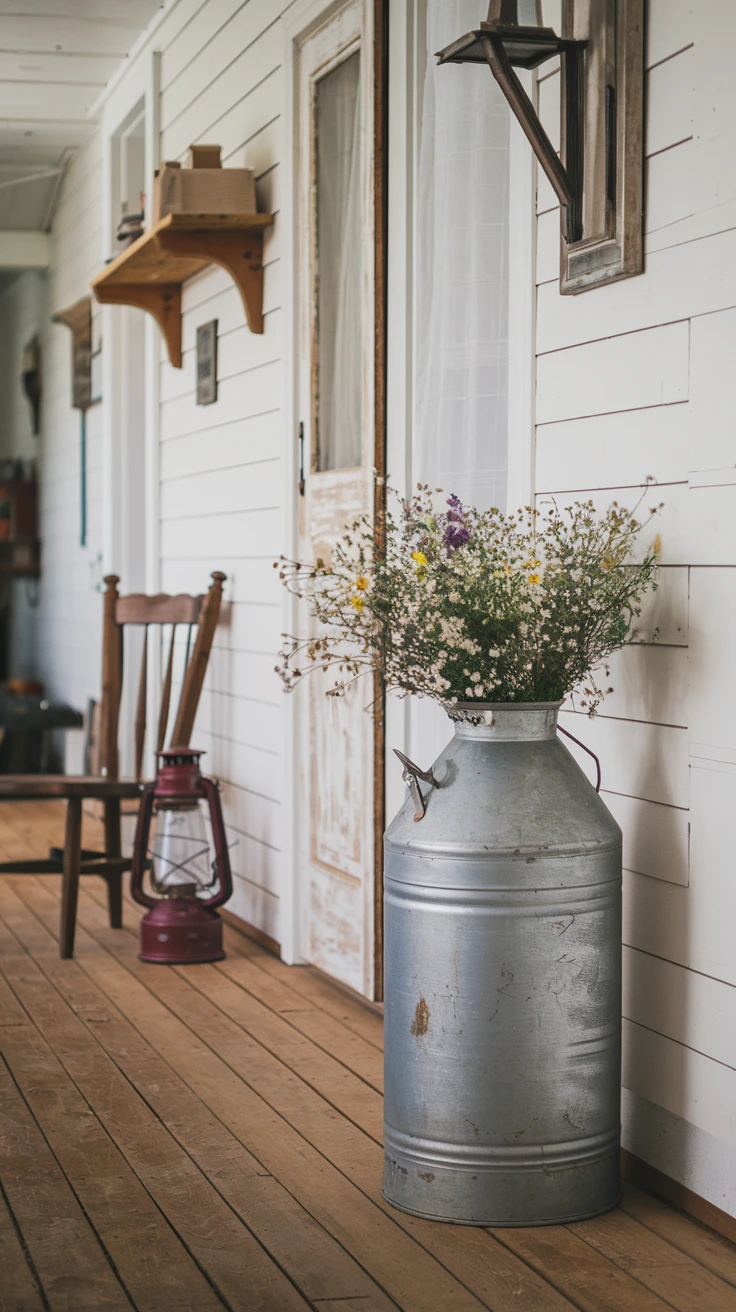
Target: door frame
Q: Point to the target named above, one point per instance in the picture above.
(303, 18)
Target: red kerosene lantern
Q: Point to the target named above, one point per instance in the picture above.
(181, 924)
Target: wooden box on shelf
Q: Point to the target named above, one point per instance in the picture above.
(205, 187)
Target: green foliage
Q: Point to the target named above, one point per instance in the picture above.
(471, 604)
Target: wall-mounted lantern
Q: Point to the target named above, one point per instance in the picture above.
(598, 176)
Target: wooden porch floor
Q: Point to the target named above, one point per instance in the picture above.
(210, 1136)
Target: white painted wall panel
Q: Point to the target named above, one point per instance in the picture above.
(673, 790)
(669, 191)
(686, 1083)
(238, 349)
(241, 487)
(255, 768)
(669, 102)
(656, 838)
(712, 702)
(639, 760)
(548, 105)
(621, 373)
(618, 449)
(188, 108)
(650, 683)
(670, 27)
(548, 245)
(249, 580)
(712, 353)
(238, 397)
(696, 525)
(256, 907)
(691, 1008)
(665, 612)
(695, 278)
(250, 533)
(239, 443)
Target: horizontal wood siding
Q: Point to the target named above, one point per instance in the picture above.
(220, 501)
(634, 382)
(221, 465)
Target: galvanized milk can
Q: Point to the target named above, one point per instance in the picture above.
(503, 981)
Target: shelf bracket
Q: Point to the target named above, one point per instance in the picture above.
(239, 253)
(162, 300)
(150, 272)
(78, 319)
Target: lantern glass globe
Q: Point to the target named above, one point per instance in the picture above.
(180, 850)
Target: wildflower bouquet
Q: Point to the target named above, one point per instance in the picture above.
(471, 604)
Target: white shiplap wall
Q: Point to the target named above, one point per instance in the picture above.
(635, 380)
(221, 465)
(220, 495)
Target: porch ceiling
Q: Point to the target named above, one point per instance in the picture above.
(56, 56)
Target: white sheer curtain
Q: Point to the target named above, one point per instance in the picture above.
(461, 383)
(339, 266)
(460, 430)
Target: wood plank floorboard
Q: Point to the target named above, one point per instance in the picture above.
(210, 1136)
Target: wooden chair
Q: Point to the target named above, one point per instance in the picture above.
(106, 786)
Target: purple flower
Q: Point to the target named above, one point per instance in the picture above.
(456, 532)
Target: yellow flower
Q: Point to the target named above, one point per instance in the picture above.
(419, 557)
(657, 546)
(361, 583)
(533, 578)
(358, 602)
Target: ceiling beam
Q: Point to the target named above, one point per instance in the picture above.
(24, 250)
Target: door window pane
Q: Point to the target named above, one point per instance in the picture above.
(338, 400)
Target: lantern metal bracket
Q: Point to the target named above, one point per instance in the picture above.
(598, 175)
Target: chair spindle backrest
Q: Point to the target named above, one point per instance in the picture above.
(200, 613)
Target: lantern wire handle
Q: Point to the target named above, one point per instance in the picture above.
(180, 865)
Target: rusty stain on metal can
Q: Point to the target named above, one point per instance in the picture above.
(420, 1023)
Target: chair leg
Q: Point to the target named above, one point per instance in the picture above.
(113, 848)
(70, 878)
(115, 899)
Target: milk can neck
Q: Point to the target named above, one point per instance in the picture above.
(505, 722)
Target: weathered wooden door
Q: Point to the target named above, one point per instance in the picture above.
(336, 372)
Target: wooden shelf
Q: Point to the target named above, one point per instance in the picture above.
(149, 273)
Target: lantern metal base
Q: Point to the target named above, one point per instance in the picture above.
(180, 931)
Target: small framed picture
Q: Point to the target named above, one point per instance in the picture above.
(207, 363)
